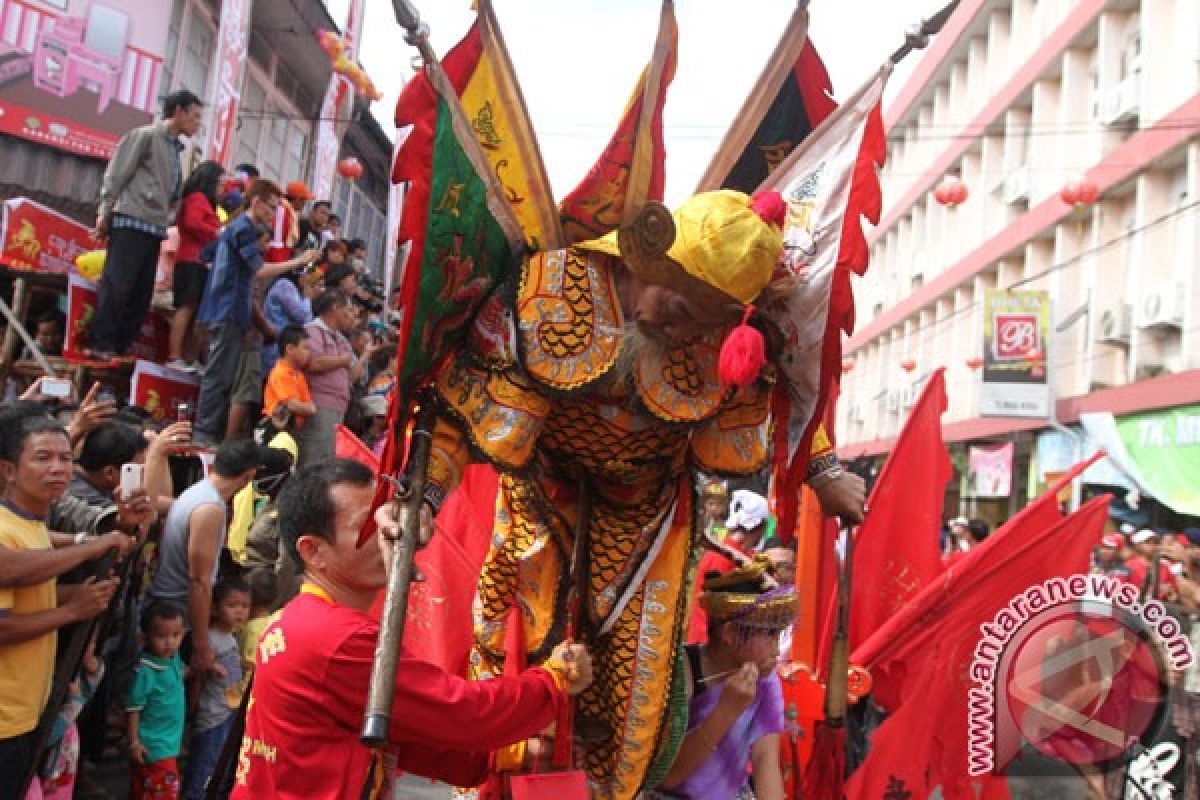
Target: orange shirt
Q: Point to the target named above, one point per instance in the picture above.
(285, 383)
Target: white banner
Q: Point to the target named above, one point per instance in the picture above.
(338, 95)
(233, 40)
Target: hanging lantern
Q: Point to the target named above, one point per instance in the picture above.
(847, 365)
(350, 167)
(1080, 193)
(951, 192)
(974, 362)
(908, 365)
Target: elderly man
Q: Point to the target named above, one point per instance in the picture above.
(594, 390)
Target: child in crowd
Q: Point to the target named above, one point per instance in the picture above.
(287, 385)
(56, 781)
(220, 691)
(263, 585)
(155, 705)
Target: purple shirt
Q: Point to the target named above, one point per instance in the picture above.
(330, 390)
(723, 773)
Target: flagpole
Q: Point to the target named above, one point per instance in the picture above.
(918, 38)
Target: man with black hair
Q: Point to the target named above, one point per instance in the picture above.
(35, 464)
(50, 329)
(331, 370)
(314, 662)
(138, 199)
(246, 172)
(313, 225)
(192, 538)
(98, 469)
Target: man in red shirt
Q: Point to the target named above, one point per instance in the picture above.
(314, 661)
(1145, 544)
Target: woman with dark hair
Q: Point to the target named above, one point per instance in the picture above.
(198, 225)
(289, 302)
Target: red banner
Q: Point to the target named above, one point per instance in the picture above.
(232, 43)
(81, 307)
(160, 390)
(36, 239)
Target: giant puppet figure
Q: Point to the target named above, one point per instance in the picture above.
(592, 384)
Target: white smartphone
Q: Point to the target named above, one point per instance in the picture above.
(56, 387)
(131, 479)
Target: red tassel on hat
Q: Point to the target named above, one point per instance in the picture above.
(743, 354)
(770, 206)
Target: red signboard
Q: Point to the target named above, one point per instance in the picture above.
(1016, 336)
(36, 239)
(160, 390)
(81, 307)
(77, 74)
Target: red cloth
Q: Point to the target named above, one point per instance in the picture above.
(278, 250)
(924, 743)
(896, 550)
(313, 668)
(347, 445)
(711, 561)
(1138, 569)
(198, 224)
(439, 626)
(158, 780)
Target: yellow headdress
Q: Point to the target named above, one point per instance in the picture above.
(750, 597)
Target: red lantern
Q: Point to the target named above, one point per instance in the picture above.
(847, 365)
(951, 192)
(974, 362)
(1080, 193)
(908, 365)
(350, 168)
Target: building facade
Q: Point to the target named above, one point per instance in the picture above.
(1018, 99)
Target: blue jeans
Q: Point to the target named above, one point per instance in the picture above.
(203, 755)
(224, 349)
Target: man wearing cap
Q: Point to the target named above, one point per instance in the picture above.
(193, 535)
(594, 387)
(1145, 544)
(1107, 559)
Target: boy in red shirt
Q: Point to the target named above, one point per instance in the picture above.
(314, 660)
(287, 387)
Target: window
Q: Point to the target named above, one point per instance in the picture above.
(197, 54)
(172, 51)
(297, 158)
(250, 119)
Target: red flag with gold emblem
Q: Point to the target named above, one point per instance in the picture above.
(630, 171)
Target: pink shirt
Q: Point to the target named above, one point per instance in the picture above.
(330, 390)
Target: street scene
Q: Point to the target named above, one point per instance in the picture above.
(640, 400)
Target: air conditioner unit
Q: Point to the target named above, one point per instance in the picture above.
(1016, 186)
(1123, 101)
(1114, 325)
(1161, 308)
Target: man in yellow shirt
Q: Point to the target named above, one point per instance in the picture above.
(36, 466)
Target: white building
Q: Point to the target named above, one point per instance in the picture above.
(1020, 97)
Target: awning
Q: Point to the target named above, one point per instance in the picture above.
(1159, 450)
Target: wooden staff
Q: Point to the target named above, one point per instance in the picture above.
(839, 656)
(410, 494)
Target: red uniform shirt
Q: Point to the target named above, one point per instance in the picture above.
(313, 667)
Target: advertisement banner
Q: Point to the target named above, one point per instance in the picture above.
(160, 390)
(989, 470)
(1165, 448)
(77, 74)
(1016, 327)
(37, 239)
(233, 40)
(81, 308)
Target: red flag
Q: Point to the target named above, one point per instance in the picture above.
(630, 171)
(896, 550)
(438, 627)
(924, 743)
(347, 445)
(902, 646)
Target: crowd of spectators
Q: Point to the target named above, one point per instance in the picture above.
(140, 560)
